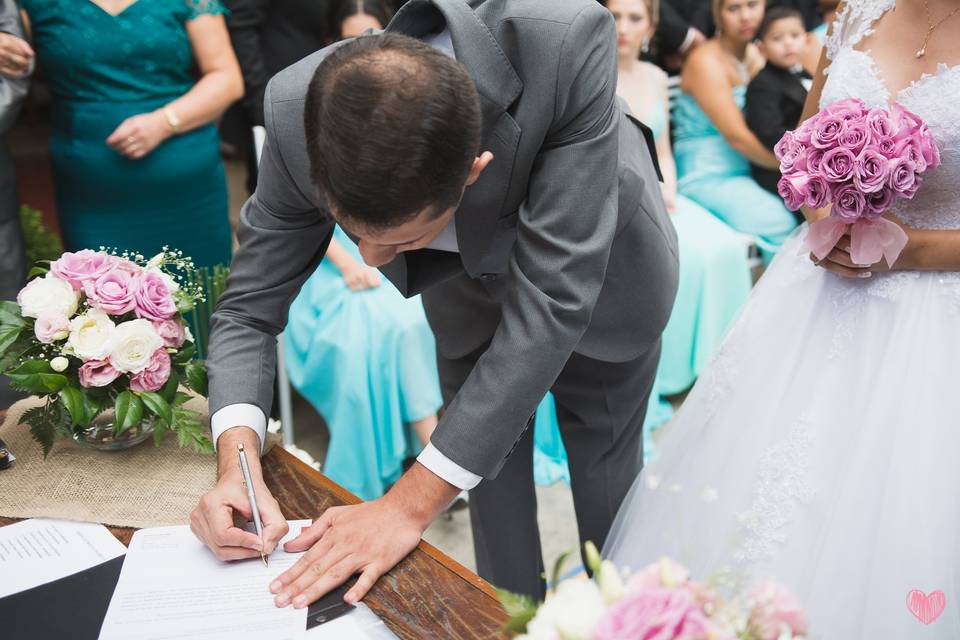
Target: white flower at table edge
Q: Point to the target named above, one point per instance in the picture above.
(90, 335)
(132, 345)
(49, 294)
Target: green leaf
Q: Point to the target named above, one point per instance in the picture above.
(197, 377)
(42, 426)
(8, 336)
(520, 608)
(72, 400)
(159, 432)
(183, 356)
(128, 410)
(36, 376)
(180, 398)
(37, 272)
(558, 569)
(169, 390)
(158, 406)
(92, 406)
(190, 430)
(10, 314)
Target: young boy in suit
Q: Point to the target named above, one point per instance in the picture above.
(776, 95)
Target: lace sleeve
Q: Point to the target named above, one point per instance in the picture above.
(833, 41)
(854, 22)
(197, 8)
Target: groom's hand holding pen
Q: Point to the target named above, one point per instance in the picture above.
(212, 520)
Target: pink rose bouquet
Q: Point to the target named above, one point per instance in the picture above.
(861, 161)
(660, 602)
(100, 332)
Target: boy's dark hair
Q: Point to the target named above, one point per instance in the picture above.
(343, 9)
(392, 128)
(772, 15)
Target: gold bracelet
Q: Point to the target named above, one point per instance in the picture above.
(172, 119)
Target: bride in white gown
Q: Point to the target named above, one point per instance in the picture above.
(821, 448)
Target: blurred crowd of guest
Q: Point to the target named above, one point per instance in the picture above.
(139, 90)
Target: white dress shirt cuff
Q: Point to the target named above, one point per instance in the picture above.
(446, 468)
(238, 415)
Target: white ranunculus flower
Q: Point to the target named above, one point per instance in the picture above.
(48, 295)
(133, 344)
(59, 364)
(90, 335)
(571, 613)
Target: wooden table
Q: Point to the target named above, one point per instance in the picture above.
(428, 595)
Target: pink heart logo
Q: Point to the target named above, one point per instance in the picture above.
(926, 607)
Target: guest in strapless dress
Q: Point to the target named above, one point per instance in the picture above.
(713, 145)
(135, 154)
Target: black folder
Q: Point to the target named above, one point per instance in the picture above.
(72, 607)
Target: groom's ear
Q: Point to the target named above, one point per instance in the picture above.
(479, 164)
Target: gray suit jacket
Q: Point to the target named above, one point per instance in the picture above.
(565, 244)
(12, 93)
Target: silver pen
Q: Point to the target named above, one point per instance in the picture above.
(248, 482)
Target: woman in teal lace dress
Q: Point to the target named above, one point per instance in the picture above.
(713, 146)
(136, 87)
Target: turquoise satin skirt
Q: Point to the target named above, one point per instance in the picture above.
(175, 196)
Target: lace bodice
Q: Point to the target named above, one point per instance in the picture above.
(853, 74)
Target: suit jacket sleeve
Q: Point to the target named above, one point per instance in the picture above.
(763, 111)
(244, 21)
(565, 230)
(283, 235)
(12, 90)
(671, 30)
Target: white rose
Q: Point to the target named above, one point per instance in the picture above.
(48, 295)
(59, 364)
(571, 613)
(90, 335)
(133, 344)
(188, 334)
(155, 261)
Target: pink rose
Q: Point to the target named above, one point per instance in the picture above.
(82, 266)
(658, 614)
(879, 124)
(817, 192)
(826, 131)
(870, 173)
(51, 327)
(886, 146)
(775, 607)
(838, 165)
(909, 149)
(851, 107)
(848, 203)
(814, 159)
(854, 137)
(172, 332)
(154, 299)
(97, 373)
(879, 202)
(792, 188)
(928, 147)
(905, 122)
(155, 375)
(114, 292)
(903, 177)
(802, 135)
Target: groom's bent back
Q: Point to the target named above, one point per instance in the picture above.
(478, 154)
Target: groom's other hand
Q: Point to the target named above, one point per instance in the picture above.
(212, 520)
(369, 539)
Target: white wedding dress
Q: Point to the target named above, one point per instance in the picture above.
(821, 448)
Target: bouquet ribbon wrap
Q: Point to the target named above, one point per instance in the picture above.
(870, 240)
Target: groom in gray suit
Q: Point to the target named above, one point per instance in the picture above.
(478, 154)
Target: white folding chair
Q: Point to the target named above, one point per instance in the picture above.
(283, 380)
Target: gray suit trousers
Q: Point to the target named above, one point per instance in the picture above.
(600, 408)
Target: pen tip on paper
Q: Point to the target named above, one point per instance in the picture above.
(264, 558)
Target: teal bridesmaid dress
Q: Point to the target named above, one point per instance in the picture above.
(714, 284)
(367, 363)
(103, 69)
(715, 176)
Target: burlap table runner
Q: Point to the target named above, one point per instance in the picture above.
(145, 486)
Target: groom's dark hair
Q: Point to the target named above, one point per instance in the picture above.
(392, 127)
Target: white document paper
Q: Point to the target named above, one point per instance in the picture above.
(38, 551)
(172, 587)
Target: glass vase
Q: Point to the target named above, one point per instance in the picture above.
(100, 434)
